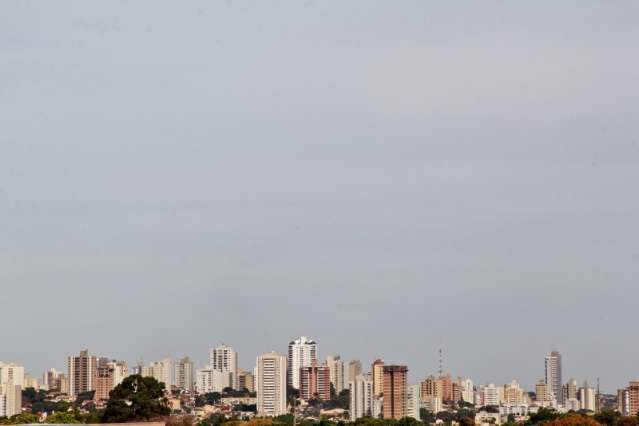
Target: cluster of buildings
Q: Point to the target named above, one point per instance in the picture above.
(383, 390)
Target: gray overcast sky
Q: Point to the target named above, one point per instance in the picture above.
(385, 177)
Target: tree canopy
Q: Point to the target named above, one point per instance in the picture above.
(136, 398)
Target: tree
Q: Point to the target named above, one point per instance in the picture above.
(573, 420)
(608, 417)
(210, 398)
(64, 418)
(543, 415)
(30, 395)
(136, 398)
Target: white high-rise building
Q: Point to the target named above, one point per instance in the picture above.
(587, 397)
(120, 371)
(271, 384)
(224, 359)
(184, 374)
(413, 402)
(361, 392)
(209, 380)
(336, 372)
(468, 391)
(302, 352)
(433, 404)
(10, 399)
(161, 370)
(552, 375)
(11, 372)
(490, 395)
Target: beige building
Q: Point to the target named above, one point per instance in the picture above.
(432, 387)
(246, 380)
(11, 372)
(82, 370)
(395, 392)
(513, 394)
(271, 385)
(184, 374)
(336, 372)
(377, 370)
(354, 370)
(162, 371)
(544, 395)
(10, 399)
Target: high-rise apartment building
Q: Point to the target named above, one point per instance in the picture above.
(184, 374)
(336, 369)
(395, 391)
(633, 398)
(490, 395)
(544, 393)
(447, 388)
(82, 370)
(513, 394)
(361, 393)
(13, 373)
(208, 380)
(569, 390)
(246, 380)
(468, 391)
(120, 371)
(587, 397)
(271, 384)
(315, 383)
(413, 402)
(161, 370)
(432, 387)
(56, 381)
(10, 399)
(552, 375)
(104, 381)
(302, 352)
(354, 370)
(623, 402)
(433, 404)
(377, 371)
(224, 359)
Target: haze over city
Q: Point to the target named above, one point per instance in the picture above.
(389, 178)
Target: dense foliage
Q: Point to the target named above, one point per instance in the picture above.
(136, 398)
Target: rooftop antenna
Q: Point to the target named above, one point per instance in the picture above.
(441, 362)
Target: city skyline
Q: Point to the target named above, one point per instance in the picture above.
(415, 374)
(389, 178)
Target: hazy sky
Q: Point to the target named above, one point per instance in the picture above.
(384, 177)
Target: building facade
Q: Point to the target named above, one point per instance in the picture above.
(336, 369)
(81, 372)
(302, 352)
(271, 384)
(184, 374)
(162, 371)
(361, 394)
(377, 370)
(552, 377)
(395, 391)
(224, 359)
(315, 383)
